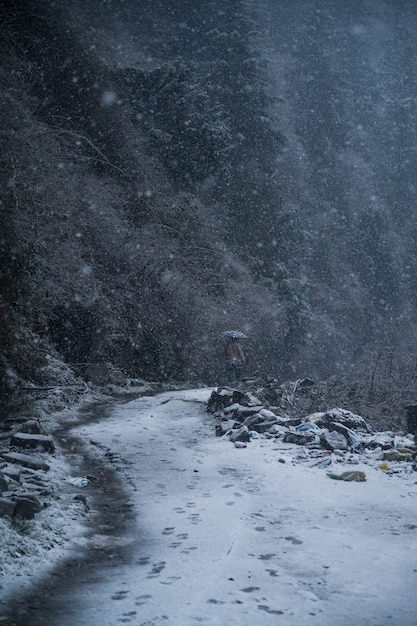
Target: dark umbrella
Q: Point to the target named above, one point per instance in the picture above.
(233, 334)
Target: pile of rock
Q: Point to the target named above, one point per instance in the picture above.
(22, 473)
(241, 416)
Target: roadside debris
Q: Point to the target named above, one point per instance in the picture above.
(264, 408)
(357, 477)
(25, 488)
(79, 481)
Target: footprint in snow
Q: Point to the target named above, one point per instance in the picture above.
(188, 550)
(294, 540)
(119, 595)
(170, 580)
(214, 601)
(272, 572)
(156, 569)
(264, 607)
(140, 600)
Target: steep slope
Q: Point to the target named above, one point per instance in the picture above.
(169, 172)
(133, 258)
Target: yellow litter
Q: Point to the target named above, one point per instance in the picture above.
(384, 467)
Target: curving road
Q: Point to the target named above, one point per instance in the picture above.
(195, 531)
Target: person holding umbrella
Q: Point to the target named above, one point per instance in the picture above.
(235, 355)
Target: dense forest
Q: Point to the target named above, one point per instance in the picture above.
(171, 169)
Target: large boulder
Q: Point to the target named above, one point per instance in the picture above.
(33, 442)
(30, 426)
(345, 418)
(333, 440)
(219, 399)
(225, 426)
(229, 399)
(25, 460)
(23, 507)
(301, 439)
(261, 421)
(240, 412)
(240, 434)
(26, 507)
(7, 507)
(11, 422)
(12, 472)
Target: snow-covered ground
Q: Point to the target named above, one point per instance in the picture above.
(239, 536)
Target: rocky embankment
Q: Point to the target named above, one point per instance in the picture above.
(51, 492)
(266, 408)
(23, 481)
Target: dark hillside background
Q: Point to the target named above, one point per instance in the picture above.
(170, 170)
(347, 76)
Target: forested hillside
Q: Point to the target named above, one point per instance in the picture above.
(346, 74)
(170, 170)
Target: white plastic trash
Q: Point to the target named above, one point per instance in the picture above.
(78, 481)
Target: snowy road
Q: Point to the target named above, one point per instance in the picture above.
(240, 537)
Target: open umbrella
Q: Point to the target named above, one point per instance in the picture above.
(233, 334)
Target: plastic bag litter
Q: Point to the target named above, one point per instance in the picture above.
(384, 466)
(307, 426)
(357, 477)
(397, 455)
(79, 481)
